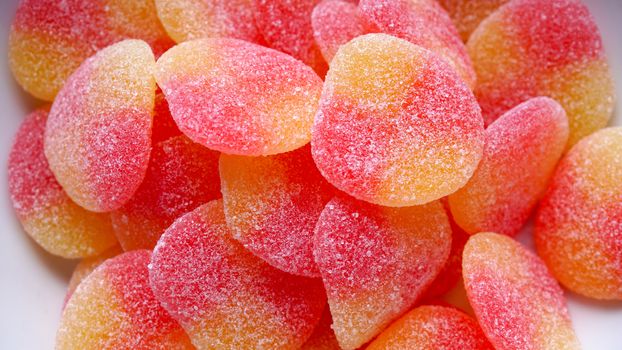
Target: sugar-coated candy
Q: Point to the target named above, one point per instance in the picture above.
(522, 149)
(467, 14)
(431, 328)
(193, 19)
(98, 134)
(45, 211)
(114, 308)
(517, 302)
(224, 296)
(323, 337)
(182, 175)
(578, 231)
(336, 22)
(286, 26)
(272, 205)
(50, 39)
(239, 98)
(396, 125)
(553, 48)
(376, 262)
(424, 23)
(164, 126)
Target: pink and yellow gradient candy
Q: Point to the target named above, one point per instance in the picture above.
(164, 126)
(468, 14)
(193, 19)
(432, 327)
(239, 98)
(286, 26)
(396, 125)
(224, 296)
(45, 211)
(424, 23)
(518, 304)
(50, 38)
(578, 229)
(272, 205)
(336, 22)
(98, 134)
(376, 262)
(114, 308)
(323, 337)
(182, 175)
(553, 48)
(521, 152)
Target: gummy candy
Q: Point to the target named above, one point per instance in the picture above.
(114, 308)
(516, 300)
(286, 26)
(182, 175)
(50, 38)
(224, 296)
(98, 134)
(164, 126)
(468, 14)
(239, 98)
(424, 23)
(45, 211)
(396, 125)
(553, 48)
(194, 19)
(323, 337)
(335, 23)
(272, 205)
(432, 327)
(376, 262)
(578, 230)
(521, 152)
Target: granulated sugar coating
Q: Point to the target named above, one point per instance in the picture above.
(286, 26)
(376, 262)
(272, 205)
(517, 302)
(193, 19)
(430, 328)
(50, 38)
(396, 125)
(468, 14)
(579, 224)
(98, 134)
(521, 152)
(45, 211)
(323, 337)
(530, 48)
(114, 308)
(239, 98)
(164, 126)
(335, 23)
(182, 175)
(224, 296)
(423, 23)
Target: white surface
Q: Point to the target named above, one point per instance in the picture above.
(32, 282)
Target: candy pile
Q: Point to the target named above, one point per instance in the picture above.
(308, 174)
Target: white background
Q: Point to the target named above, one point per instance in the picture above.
(32, 282)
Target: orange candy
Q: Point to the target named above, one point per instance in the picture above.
(467, 14)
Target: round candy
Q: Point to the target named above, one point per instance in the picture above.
(432, 327)
(521, 152)
(50, 38)
(518, 304)
(323, 337)
(239, 98)
(224, 296)
(272, 205)
(376, 262)
(424, 23)
(578, 228)
(193, 19)
(467, 14)
(553, 48)
(45, 211)
(114, 308)
(182, 175)
(98, 134)
(396, 125)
